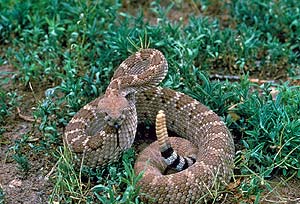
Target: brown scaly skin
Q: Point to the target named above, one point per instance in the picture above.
(170, 156)
(105, 127)
(92, 133)
(203, 128)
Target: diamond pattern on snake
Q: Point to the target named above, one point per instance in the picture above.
(106, 127)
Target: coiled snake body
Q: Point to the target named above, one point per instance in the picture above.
(105, 127)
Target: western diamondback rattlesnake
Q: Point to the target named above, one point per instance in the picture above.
(105, 127)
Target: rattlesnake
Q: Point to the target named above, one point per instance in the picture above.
(105, 127)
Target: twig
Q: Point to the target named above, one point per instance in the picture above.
(24, 117)
(285, 200)
(237, 78)
(51, 171)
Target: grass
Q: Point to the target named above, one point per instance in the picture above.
(8, 101)
(70, 49)
(1, 196)
(116, 184)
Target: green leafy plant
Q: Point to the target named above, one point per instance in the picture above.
(71, 49)
(8, 102)
(2, 196)
(68, 186)
(110, 193)
(19, 154)
(118, 183)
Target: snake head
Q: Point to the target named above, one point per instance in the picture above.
(115, 109)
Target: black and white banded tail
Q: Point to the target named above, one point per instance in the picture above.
(170, 156)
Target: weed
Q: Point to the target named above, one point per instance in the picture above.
(110, 193)
(4, 107)
(2, 130)
(74, 48)
(118, 183)
(23, 163)
(68, 186)
(20, 155)
(215, 193)
(2, 196)
(8, 102)
(272, 130)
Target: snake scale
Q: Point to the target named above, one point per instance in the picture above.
(101, 130)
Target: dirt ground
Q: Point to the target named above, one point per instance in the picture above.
(34, 187)
(19, 187)
(26, 189)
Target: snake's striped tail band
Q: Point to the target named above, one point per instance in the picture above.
(170, 156)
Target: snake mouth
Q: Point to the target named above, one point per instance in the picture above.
(114, 122)
(117, 126)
